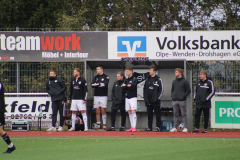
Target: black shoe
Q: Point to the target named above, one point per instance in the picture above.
(121, 129)
(157, 129)
(111, 129)
(148, 129)
(9, 150)
(204, 131)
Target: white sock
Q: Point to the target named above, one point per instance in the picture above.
(84, 115)
(104, 119)
(10, 145)
(134, 119)
(98, 123)
(73, 120)
(130, 117)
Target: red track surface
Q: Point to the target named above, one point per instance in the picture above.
(118, 134)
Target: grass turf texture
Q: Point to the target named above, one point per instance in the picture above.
(56, 148)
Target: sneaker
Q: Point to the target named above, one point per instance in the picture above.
(111, 129)
(204, 131)
(157, 129)
(97, 127)
(52, 129)
(173, 130)
(148, 129)
(129, 130)
(71, 129)
(185, 130)
(86, 129)
(121, 129)
(134, 129)
(9, 150)
(105, 127)
(196, 130)
(60, 128)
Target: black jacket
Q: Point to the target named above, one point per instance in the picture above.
(78, 89)
(99, 89)
(56, 88)
(2, 99)
(118, 95)
(180, 89)
(203, 93)
(131, 91)
(157, 90)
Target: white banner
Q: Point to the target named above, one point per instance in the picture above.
(189, 45)
(25, 108)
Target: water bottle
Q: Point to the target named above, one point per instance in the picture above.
(138, 106)
(40, 110)
(168, 126)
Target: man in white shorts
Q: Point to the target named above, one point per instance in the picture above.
(78, 95)
(130, 86)
(100, 83)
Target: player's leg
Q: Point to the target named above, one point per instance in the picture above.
(54, 116)
(175, 115)
(82, 108)
(127, 107)
(150, 117)
(198, 112)
(133, 105)
(103, 105)
(183, 108)
(157, 111)
(206, 119)
(74, 109)
(97, 107)
(123, 119)
(113, 118)
(61, 106)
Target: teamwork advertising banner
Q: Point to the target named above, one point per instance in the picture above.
(27, 107)
(225, 112)
(189, 45)
(52, 46)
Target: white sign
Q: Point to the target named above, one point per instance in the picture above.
(189, 45)
(25, 108)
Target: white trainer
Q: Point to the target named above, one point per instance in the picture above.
(71, 129)
(173, 130)
(185, 130)
(60, 128)
(52, 129)
(86, 129)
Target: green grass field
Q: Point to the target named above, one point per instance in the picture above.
(68, 148)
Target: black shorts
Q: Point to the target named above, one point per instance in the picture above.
(2, 119)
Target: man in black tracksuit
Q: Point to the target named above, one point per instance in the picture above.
(153, 89)
(4, 135)
(118, 102)
(203, 93)
(56, 88)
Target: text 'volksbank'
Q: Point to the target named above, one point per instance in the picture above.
(33, 43)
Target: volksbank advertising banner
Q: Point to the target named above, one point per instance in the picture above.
(225, 112)
(189, 45)
(25, 108)
(52, 46)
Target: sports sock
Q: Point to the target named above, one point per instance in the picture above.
(134, 119)
(7, 140)
(73, 120)
(130, 118)
(84, 115)
(98, 123)
(104, 118)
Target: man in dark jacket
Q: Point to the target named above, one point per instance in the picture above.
(203, 93)
(180, 90)
(56, 88)
(4, 135)
(153, 89)
(118, 102)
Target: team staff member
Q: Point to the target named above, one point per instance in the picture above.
(153, 89)
(78, 95)
(130, 88)
(179, 92)
(4, 135)
(118, 102)
(100, 83)
(56, 88)
(202, 96)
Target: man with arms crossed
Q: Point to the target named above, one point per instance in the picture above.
(4, 135)
(180, 90)
(78, 95)
(153, 89)
(202, 96)
(130, 88)
(100, 83)
(56, 88)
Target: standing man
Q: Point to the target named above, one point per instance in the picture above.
(153, 89)
(202, 96)
(4, 135)
(180, 90)
(130, 88)
(78, 95)
(100, 83)
(56, 88)
(118, 102)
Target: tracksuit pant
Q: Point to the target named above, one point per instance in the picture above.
(57, 106)
(157, 110)
(198, 112)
